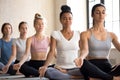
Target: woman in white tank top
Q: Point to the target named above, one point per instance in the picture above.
(65, 43)
(18, 48)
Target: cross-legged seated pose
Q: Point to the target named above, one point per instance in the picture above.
(96, 45)
(18, 49)
(65, 43)
(37, 45)
(5, 44)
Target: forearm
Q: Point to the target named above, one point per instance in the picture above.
(10, 60)
(83, 54)
(24, 58)
(50, 57)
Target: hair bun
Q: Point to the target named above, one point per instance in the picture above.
(65, 8)
(37, 15)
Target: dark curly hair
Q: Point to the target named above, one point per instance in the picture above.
(65, 9)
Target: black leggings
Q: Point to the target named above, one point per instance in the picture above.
(31, 68)
(98, 68)
(11, 71)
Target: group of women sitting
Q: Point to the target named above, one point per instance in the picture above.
(78, 55)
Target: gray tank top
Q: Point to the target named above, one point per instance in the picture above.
(98, 48)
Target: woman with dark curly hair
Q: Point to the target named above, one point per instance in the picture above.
(66, 44)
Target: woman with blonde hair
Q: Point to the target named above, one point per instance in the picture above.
(37, 45)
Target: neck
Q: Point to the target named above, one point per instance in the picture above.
(100, 28)
(66, 30)
(23, 37)
(39, 34)
(7, 38)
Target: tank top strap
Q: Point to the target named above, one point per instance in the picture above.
(91, 33)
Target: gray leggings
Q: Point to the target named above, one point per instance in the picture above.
(55, 74)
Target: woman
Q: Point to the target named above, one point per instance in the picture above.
(96, 45)
(18, 48)
(37, 45)
(5, 44)
(66, 43)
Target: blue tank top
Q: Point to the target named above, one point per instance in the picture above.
(6, 50)
(99, 48)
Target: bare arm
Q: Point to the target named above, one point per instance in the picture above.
(83, 49)
(25, 56)
(51, 52)
(27, 51)
(12, 57)
(84, 45)
(50, 56)
(115, 41)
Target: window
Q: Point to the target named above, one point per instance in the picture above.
(112, 21)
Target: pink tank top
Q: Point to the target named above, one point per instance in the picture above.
(38, 46)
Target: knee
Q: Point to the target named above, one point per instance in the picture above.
(48, 73)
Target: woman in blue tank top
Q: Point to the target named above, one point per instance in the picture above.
(95, 45)
(18, 48)
(5, 44)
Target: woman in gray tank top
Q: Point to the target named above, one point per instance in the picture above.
(95, 45)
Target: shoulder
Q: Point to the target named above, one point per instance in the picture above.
(85, 33)
(46, 37)
(55, 34)
(15, 40)
(112, 35)
(29, 39)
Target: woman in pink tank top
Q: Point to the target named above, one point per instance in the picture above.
(37, 45)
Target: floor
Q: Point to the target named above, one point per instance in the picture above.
(21, 77)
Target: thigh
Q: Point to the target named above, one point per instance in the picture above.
(53, 73)
(102, 64)
(74, 72)
(36, 63)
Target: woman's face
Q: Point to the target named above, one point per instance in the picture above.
(23, 29)
(39, 25)
(99, 14)
(66, 19)
(7, 30)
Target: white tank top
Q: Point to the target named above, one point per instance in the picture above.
(67, 50)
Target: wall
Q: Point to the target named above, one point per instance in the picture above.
(78, 8)
(15, 11)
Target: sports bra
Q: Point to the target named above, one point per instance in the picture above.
(99, 48)
(38, 46)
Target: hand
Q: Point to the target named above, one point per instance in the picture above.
(5, 69)
(42, 70)
(16, 66)
(78, 62)
(61, 70)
